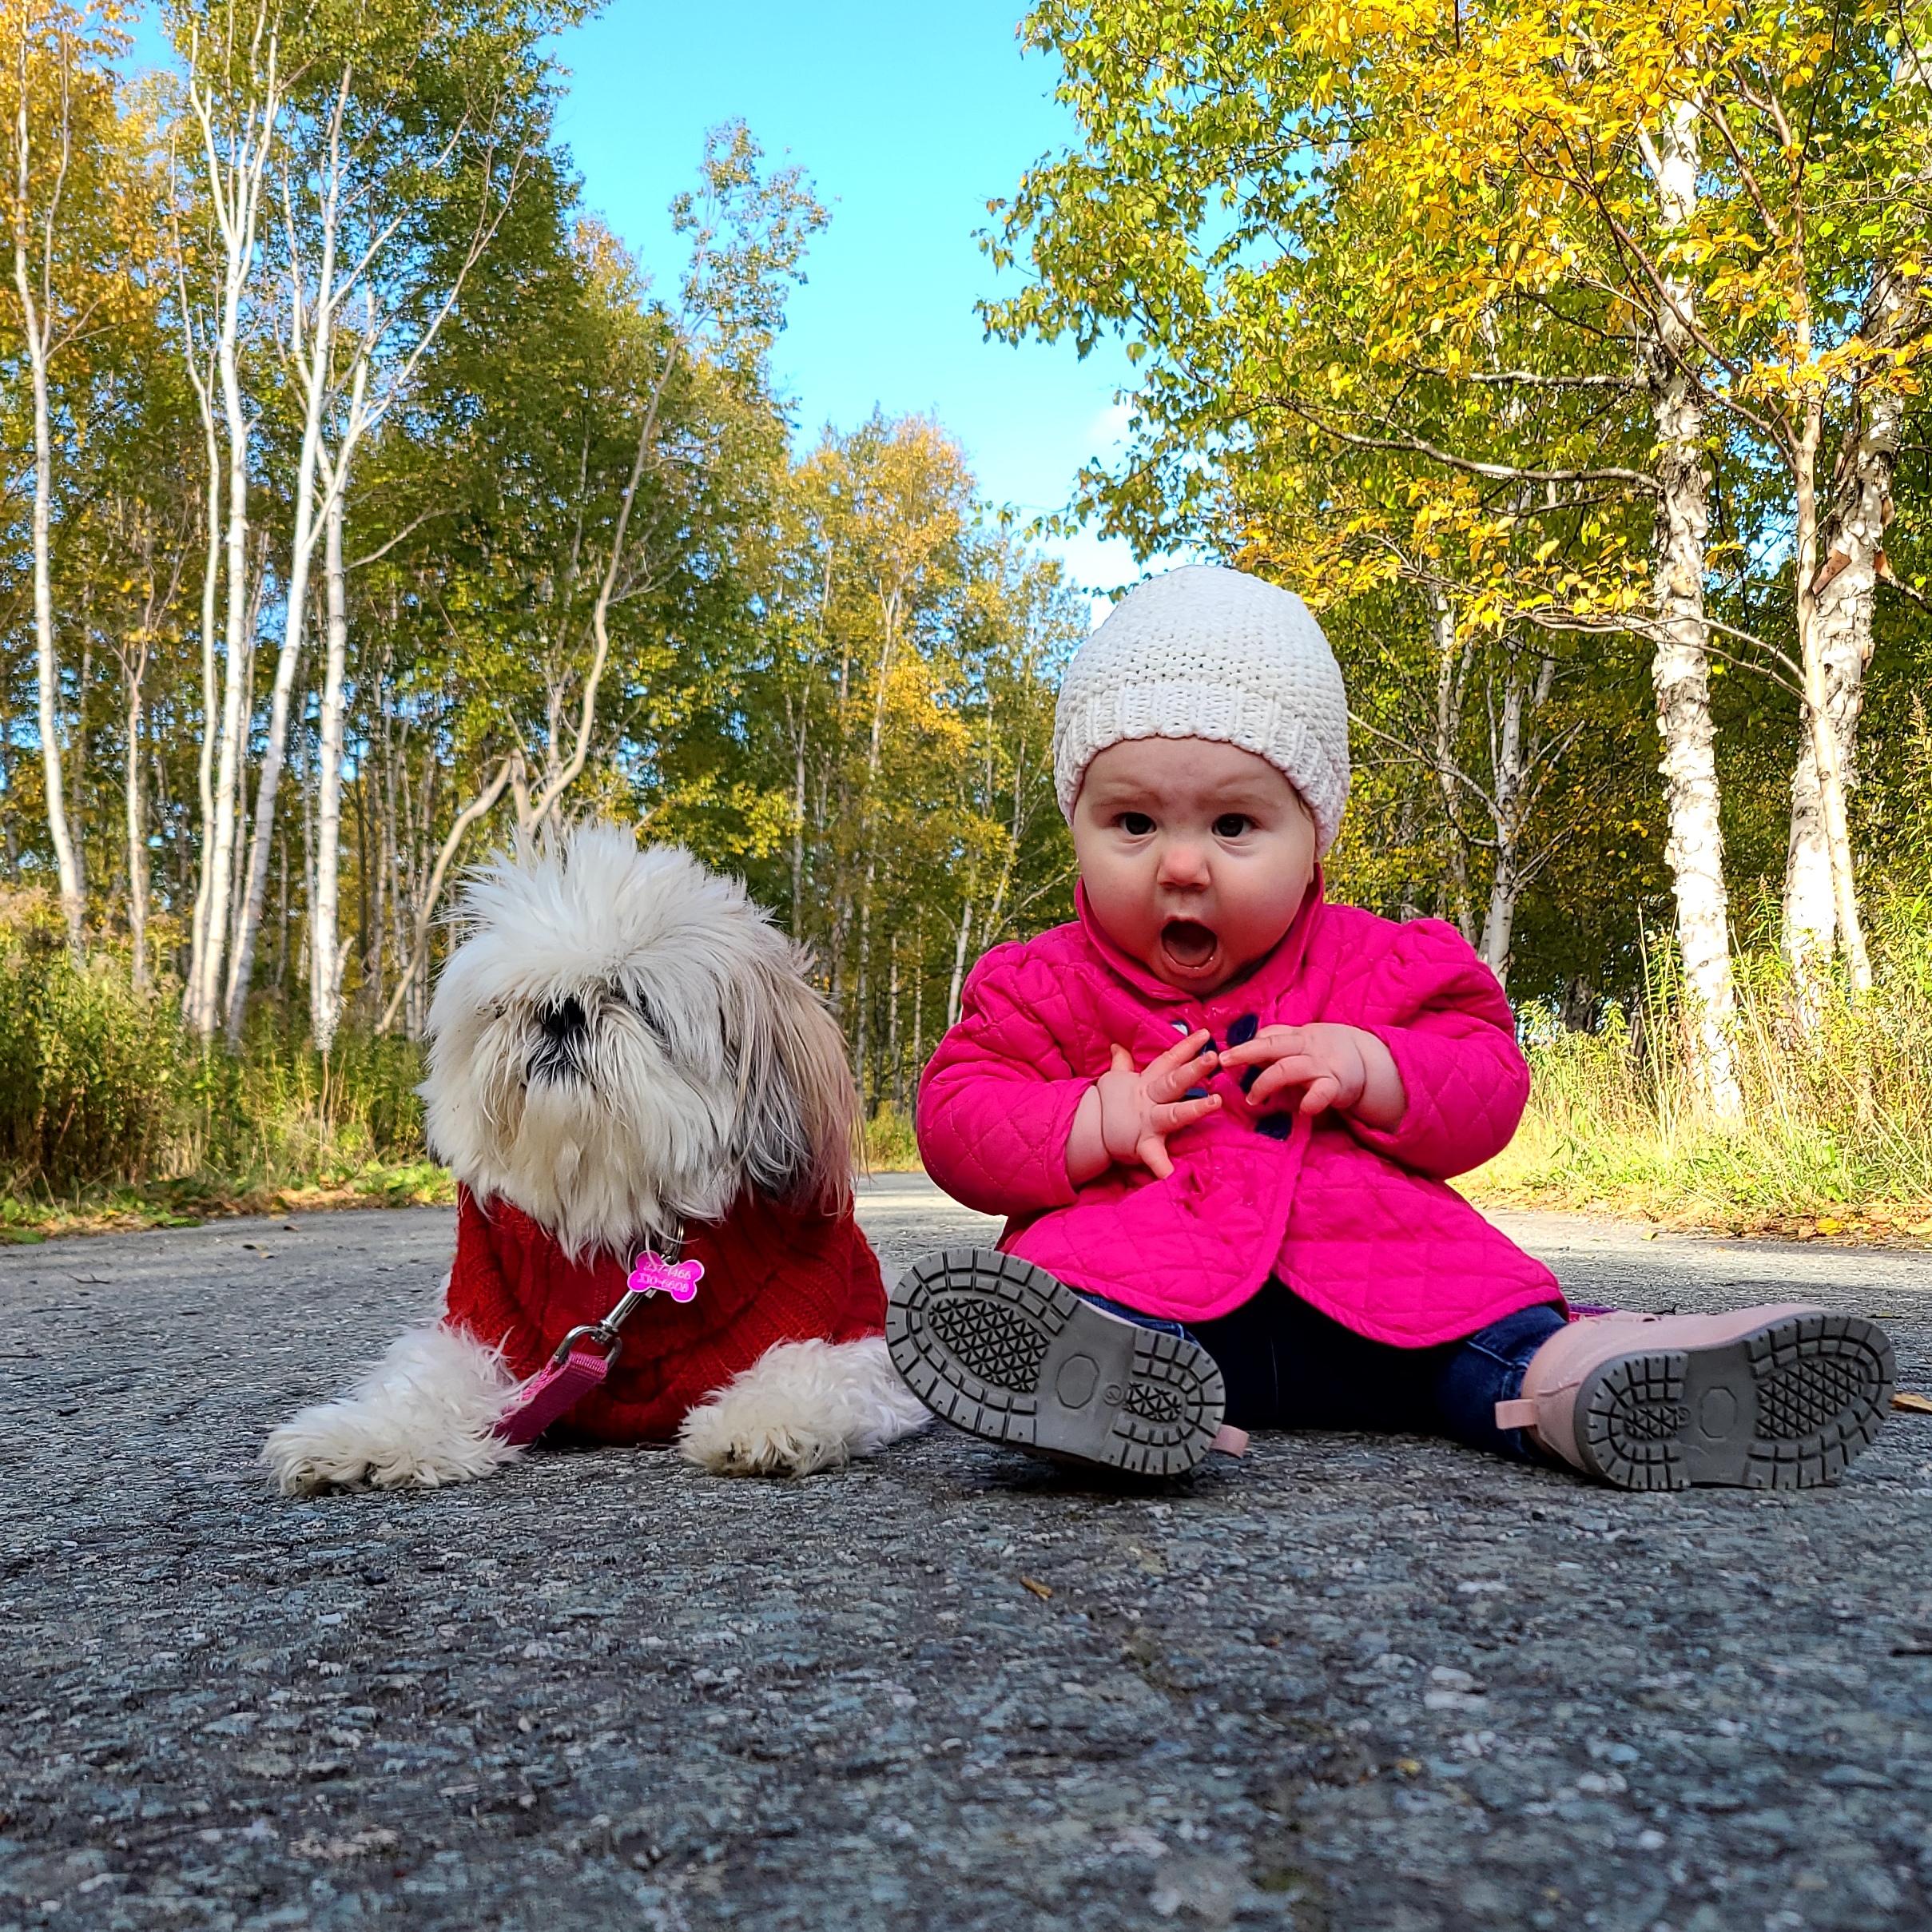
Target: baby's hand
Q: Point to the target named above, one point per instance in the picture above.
(1337, 1066)
(1127, 1116)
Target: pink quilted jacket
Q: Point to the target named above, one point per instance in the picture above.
(1363, 1223)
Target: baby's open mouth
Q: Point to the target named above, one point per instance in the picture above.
(1187, 942)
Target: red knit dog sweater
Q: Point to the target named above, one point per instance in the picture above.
(771, 1275)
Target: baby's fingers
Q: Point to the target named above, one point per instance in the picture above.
(1178, 1058)
(1269, 1043)
(1151, 1152)
(1296, 1069)
(1322, 1093)
(1172, 1084)
(1172, 1115)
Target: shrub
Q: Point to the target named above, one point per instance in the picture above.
(90, 1070)
(100, 1087)
(1836, 1090)
(891, 1146)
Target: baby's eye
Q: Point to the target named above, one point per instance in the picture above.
(1230, 825)
(1136, 824)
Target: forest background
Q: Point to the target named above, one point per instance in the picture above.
(369, 506)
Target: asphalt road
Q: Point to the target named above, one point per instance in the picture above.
(1372, 1685)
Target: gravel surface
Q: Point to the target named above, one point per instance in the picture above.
(1350, 1683)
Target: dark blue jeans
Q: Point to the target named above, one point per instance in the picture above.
(1287, 1365)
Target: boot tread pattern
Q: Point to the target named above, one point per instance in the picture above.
(976, 1335)
(1631, 1418)
(1001, 1347)
(1824, 1387)
(1788, 1406)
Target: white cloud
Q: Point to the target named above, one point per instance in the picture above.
(1108, 430)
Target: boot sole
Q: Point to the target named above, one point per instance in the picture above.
(1004, 1350)
(1788, 1406)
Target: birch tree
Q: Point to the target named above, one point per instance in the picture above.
(369, 172)
(60, 131)
(1882, 360)
(1680, 661)
(235, 91)
(1314, 228)
(659, 398)
(160, 559)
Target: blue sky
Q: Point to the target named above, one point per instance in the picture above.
(909, 118)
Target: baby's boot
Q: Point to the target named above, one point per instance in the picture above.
(1782, 1397)
(1004, 1350)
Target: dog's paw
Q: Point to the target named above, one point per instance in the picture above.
(351, 1445)
(306, 1460)
(730, 1438)
(802, 1407)
(424, 1416)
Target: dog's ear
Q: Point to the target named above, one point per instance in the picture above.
(799, 1107)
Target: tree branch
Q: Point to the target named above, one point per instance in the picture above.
(466, 818)
(1499, 472)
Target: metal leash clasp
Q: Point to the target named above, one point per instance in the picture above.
(652, 1275)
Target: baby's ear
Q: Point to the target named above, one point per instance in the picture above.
(800, 1108)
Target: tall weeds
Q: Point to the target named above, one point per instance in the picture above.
(1837, 1123)
(87, 1068)
(100, 1088)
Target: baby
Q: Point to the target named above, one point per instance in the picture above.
(1221, 1114)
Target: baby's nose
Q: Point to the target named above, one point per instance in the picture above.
(1184, 862)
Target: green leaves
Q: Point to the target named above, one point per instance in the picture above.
(748, 233)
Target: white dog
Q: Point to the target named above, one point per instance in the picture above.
(626, 1053)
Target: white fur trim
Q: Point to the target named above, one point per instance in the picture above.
(1207, 653)
(420, 1417)
(803, 1407)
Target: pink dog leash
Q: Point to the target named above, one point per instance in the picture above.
(573, 1373)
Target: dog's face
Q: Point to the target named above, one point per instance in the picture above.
(625, 1043)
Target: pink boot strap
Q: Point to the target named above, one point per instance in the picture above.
(1230, 1440)
(1516, 1415)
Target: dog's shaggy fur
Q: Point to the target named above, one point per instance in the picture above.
(624, 1043)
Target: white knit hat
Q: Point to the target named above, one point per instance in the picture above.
(1207, 652)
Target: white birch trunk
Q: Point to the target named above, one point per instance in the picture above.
(1823, 738)
(1843, 591)
(1512, 761)
(211, 685)
(1680, 663)
(37, 325)
(313, 360)
(205, 993)
(136, 821)
(959, 966)
(1452, 668)
(301, 557)
(325, 971)
(234, 183)
(67, 858)
(798, 820)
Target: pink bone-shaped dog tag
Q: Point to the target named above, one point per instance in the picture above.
(655, 1275)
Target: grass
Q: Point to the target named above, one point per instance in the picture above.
(890, 1147)
(32, 1214)
(1835, 1138)
(111, 1118)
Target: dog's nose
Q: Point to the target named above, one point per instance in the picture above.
(563, 1027)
